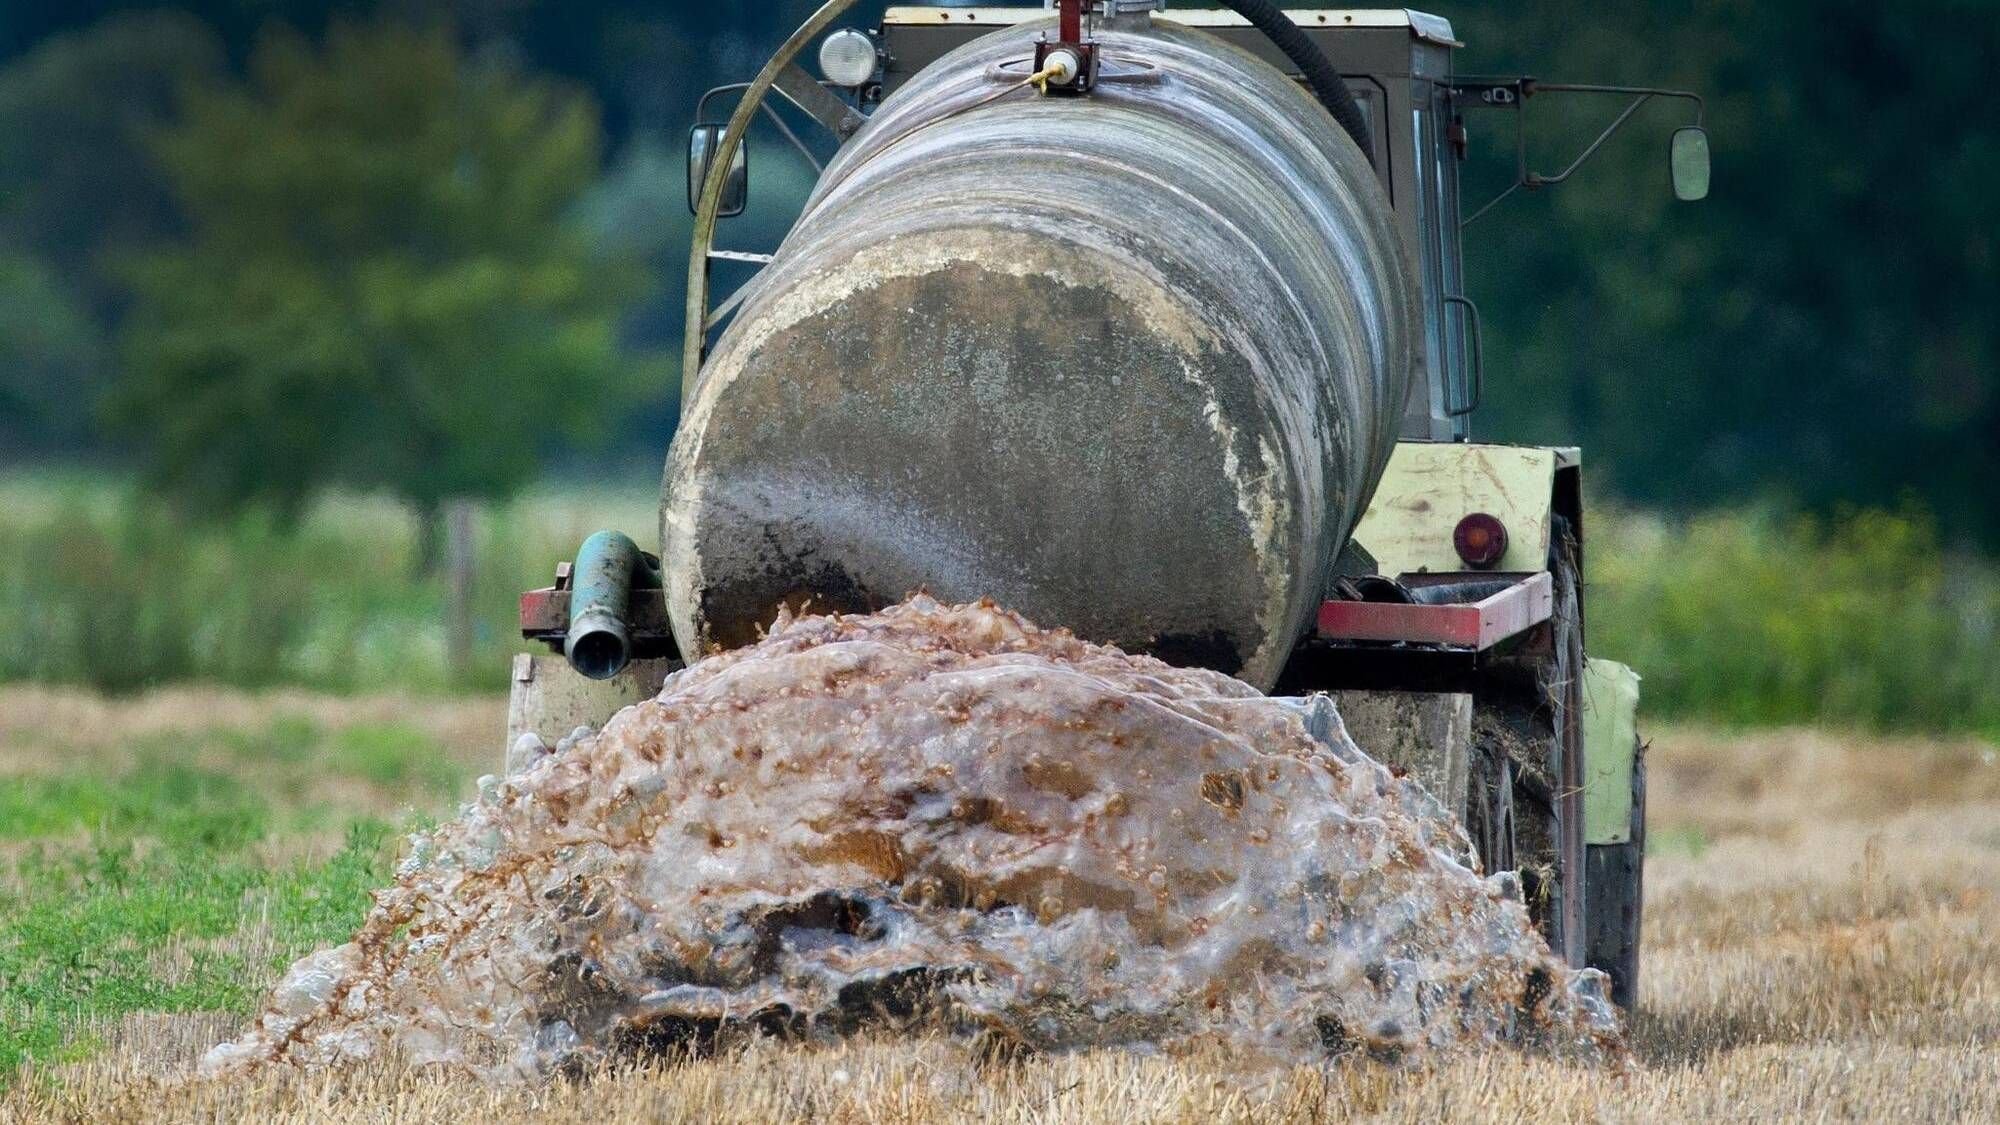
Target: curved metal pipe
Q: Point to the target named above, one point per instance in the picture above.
(710, 209)
(1327, 84)
(608, 567)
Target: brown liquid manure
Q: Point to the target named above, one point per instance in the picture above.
(939, 815)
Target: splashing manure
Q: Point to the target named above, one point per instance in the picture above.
(939, 813)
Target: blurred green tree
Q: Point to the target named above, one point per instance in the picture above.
(381, 287)
(1822, 330)
(49, 350)
(79, 189)
(77, 182)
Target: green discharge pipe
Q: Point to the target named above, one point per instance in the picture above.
(609, 566)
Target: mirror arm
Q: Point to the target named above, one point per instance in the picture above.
(701, 107)
(1514, 94)
(1490, 205)
(1533, 180)
(1534, 87)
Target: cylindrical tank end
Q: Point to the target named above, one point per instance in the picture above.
(1147, 405)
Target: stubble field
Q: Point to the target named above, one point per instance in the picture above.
(1820, 918)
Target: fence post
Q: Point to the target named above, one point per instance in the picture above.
(458, 598)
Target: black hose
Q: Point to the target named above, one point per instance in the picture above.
(1326, 82)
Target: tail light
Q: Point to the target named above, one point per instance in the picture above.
(1480, 540)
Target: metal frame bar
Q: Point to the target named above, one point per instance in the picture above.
(1472, 627)
(545, 617)
(701, 118)
(1477, 336)
(819, 103)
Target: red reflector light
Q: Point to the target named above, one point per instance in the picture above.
(1481, 540)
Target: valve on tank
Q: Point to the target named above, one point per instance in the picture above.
(1070, 63)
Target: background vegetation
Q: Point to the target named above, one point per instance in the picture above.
(117, 595)
(1758, 617)
(1742, 617)
(276, 277)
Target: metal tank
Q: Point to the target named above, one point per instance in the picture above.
(1129, 363)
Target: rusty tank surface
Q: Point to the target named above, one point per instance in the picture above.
(1130, 364)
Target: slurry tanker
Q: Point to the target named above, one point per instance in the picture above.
(1151, 324)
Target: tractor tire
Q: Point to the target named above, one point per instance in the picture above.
(1562, 685)
(1515, 830)
(1489, 806)
(1616, 886)
(1527, 714)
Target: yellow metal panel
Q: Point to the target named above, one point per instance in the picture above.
(1430, 486)
(1610, 738)
(925, 17)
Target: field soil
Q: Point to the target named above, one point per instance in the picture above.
(1820, 912)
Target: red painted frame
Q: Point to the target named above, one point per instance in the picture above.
(1473, 626)
(1476, 626)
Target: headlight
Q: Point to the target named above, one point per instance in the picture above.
(847, 58)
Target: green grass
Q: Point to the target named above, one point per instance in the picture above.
(177, 803)
(392, 755)
(79, 928)
(107, 870)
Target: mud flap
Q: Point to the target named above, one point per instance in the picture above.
(1614, 826)
(1610, 732)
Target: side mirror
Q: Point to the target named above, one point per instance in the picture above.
(703, 143)
(1690, 163)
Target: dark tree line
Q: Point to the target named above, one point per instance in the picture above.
(1824, 328)
(1822, 331)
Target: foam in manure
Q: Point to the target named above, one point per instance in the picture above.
(945, 813)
